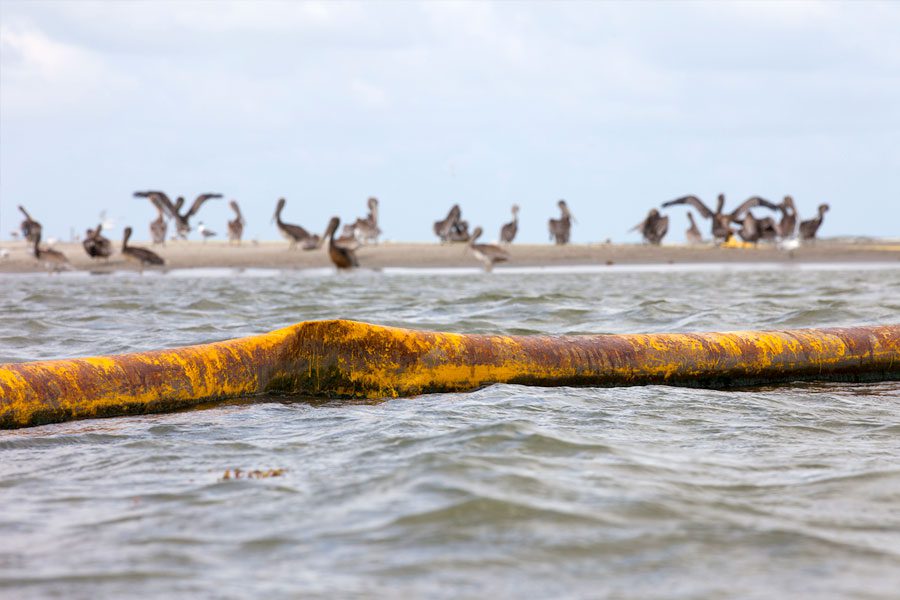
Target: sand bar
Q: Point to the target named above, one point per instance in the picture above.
(275, 254)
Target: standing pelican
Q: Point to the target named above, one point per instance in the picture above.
(654, 227)
(182, 221)
(509, 230)
(693, 234)
(95, 244)
(366, 230)
(31, 229)
(721, 222)
(159, 226)
(236, 226)
(342, 257)
(140, 255)
(53, 260)
(293, 233)
(788, 224)
(808, 229)
(452, 228)
(561, 228)
(165, 208)
(442, 227)
(459, 232)
(488, 254)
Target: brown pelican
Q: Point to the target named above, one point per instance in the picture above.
(452, 228)
(721, 222)
(808, 229)
(768, 229)
(54, 260)
(561, 228)
(95, 244)
(693, 234)
(235, 227)
(182, 221)
(369, 228)
(347, 240)
(654, 227)
(460, 231)
(140, 255)
(313, 242)
(488, 254)
(788, 224)
(752, 229)
(205, 232)
(365, 230)
(159, 226)
(508, 231)
(293, 233)
(31, 229)
(343, 258)
(442, 227)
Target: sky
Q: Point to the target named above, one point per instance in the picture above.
(615, 107)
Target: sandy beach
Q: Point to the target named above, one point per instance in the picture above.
(275, 254)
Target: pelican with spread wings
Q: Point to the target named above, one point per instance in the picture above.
(753, 228)
(721, 222)
(654, 227)
(750, 230)
(173, 209)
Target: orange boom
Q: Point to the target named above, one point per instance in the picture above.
(347, 359)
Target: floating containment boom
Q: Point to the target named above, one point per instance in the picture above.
(346, 359)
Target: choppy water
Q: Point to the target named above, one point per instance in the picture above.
(650, 492)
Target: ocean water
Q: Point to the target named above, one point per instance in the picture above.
(644, 492)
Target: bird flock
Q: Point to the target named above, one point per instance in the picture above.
(750, 227)
(742, 222)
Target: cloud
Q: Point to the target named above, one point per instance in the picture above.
(526, 100)
(40, 74)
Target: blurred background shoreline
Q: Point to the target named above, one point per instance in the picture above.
(272, 254)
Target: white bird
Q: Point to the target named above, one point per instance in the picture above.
(204, 231)
(789, 244)
(106, 224)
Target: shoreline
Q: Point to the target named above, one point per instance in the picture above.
(275, 254)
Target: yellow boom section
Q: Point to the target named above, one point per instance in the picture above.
(347, 359)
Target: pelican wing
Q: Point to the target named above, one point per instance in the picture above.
(199, 202)
(692, 201)
(160, 201)
(749, 203)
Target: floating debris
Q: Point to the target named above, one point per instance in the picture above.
(255, 474)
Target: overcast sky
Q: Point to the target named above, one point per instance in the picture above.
(614, 107)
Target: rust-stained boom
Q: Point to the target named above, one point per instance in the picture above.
(338, 359)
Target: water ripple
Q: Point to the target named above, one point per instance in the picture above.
(649, 492)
